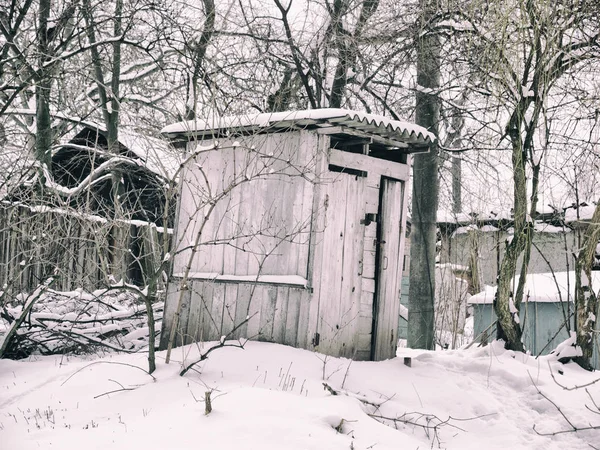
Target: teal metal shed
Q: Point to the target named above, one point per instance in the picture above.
(546, 314)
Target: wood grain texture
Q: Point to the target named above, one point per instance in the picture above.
(387, 299)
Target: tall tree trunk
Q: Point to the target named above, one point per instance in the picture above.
(421, 317)
(43, 136)
(456, 184)
(586, 300)
(109, 98)
(198, 54)
(114, 108)
(509, 327)
(347, 45)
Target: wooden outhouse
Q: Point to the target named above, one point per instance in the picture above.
(292, 225)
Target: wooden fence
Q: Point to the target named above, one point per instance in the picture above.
(89, 251)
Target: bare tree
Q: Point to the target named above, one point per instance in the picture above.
(532, 48)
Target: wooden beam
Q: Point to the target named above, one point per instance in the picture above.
(358, 161)
(363, 134)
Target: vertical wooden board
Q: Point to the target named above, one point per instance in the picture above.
(402, 271)
(349, 306)
(231, 292)
(368, 261)
(308, 325)
(273, 231)
(188, 225)
(242, 309)
(307, 146)
(202, 188)
(364, 346)
(229, 220)
(280, 317)
(299, 206)
(293, 315)
(366, 301)
(256, 294)
(195, 315)
(374, 180)
(306, 219)
(290, 203)
(205, 290)
(245, 208)
(331, 280)
(267, 313)
(181, 335)
(365, 324)
(230, 226)
(260, 195)
(306, 331)
(388, 295)
(355, 234)
(215, 318)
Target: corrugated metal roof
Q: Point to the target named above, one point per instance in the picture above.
(392, 130)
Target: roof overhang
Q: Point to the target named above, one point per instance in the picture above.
(405, 136)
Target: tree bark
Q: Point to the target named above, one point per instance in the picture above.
(43, 135)
(198, 54)
(421, 318)
(586, 300)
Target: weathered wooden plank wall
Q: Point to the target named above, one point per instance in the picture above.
(260, 202)
(212, 309)
(85, 249)
(268, 219)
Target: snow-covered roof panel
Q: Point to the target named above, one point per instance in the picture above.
(541, 288)
(155, 153)
(393, 130)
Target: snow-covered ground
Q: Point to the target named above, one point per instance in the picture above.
(269, 396)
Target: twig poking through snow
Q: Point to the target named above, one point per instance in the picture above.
(108, 362)
(221, 344)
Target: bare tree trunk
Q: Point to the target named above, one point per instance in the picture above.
(421, 322)
(475, 284)
(585, 297)
(456, 185)
(347, 45)
(109, 98)
(43, 135)
(198, 55)
(509, 328)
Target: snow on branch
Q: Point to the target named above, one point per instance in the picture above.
(95, 176)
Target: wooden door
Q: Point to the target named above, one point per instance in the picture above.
(388, 270)
(340, 282)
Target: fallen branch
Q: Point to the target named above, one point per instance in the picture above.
(573, 429)
(72, 332)
(116, 390)
(430, 423)
(359, 397)
(570, 388)
(85, 325)
(33, 297)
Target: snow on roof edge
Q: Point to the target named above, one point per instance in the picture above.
(326, 114)
(539, 288)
